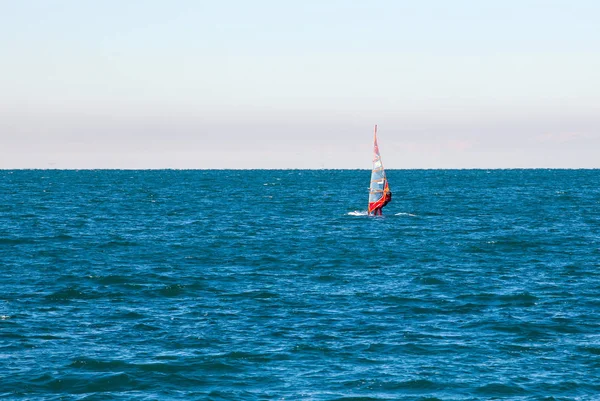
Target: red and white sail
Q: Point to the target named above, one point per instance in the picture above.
(379, 183)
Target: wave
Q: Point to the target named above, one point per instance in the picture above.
(499, 389)
(365, 213)
(16, 241)
(358, 213)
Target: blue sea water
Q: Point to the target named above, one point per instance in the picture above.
(273, 285)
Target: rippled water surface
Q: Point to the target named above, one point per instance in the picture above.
(257, 285)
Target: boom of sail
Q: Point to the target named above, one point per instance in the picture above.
(379, 183)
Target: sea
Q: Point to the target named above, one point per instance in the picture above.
(276, 285)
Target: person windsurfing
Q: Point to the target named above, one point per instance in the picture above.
(379, 189)
(387, 198)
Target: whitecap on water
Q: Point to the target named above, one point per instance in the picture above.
(358, 213)
(405, 214)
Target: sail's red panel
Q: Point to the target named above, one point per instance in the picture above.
(379, 203)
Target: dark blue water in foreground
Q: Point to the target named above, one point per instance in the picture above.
(258, 285)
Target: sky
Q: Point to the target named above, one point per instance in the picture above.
(299, 84)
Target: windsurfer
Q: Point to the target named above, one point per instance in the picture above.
(387, 198)
(379, 189)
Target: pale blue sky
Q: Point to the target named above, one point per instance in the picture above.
(281, 84)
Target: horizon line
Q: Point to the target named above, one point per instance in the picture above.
(288, 169)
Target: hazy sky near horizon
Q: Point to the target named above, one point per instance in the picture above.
(280, 84)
